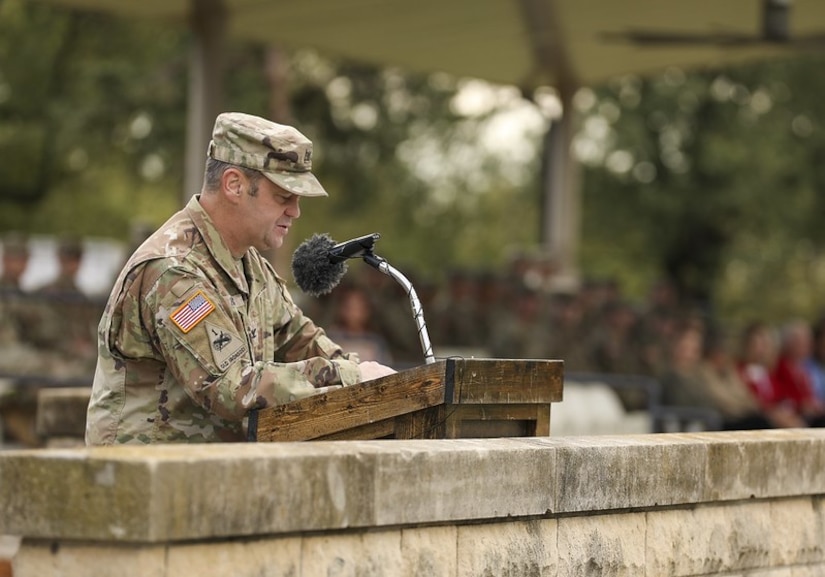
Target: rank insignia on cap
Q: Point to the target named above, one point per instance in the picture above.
(193, 311)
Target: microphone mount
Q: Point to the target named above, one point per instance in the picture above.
(353, 248)
(365, 251)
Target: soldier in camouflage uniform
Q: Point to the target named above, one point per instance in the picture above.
(199, 329)
(15, 261)
(17, 356)
(65, 317)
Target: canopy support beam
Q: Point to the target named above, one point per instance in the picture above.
(561, 193)
(208, 23)
(560, 212)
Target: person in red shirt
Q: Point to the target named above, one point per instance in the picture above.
(791, 380)
(756, 358)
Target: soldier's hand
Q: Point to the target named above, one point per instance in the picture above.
(372, 370)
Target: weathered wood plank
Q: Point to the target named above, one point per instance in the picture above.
(485, 421)
(495, 412)
(354, 406)
(503, 381)
(472, 429)
(541, 426)
(378, 430)
(424, 424)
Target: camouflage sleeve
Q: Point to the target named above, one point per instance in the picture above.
(207, 351)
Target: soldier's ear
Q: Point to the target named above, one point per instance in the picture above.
(232, 183)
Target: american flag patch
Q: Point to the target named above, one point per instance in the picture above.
(192, 312)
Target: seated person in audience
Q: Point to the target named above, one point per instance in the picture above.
(567, 339)
(352, 326)
(756, 357)
(522, 335)
(815, 363)
(614, 344)
(726, 388)
(793, 384)
(682, 385)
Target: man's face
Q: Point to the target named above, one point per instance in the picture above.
(269, 214)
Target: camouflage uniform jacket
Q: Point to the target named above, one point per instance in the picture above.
(191, 339)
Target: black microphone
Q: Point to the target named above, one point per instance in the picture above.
(353, 248)
(319, 264)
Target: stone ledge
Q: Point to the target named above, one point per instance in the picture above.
(182, 493)
(685, 468)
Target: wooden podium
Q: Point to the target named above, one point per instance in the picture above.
(448, 399)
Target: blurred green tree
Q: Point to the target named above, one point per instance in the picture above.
(712, 179)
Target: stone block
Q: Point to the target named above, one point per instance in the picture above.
(371, 554)
(429, 551)
(798, 531)
(686, 468)
(436, 481)
(61, 412)
(762, 464)
(605, 545)
(709, 539)
(524, 549)
(176, 492)
(275, 557)
(68, 559)
(608, 473)
(70, 494)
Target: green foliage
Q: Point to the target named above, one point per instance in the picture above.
(723, 190)
(712, 178)
(96, 131)
(90, 109)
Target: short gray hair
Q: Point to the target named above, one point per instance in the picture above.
(216, 168)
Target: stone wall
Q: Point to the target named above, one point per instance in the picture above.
(737, 504)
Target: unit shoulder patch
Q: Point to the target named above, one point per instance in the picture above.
(194, 310)
(226, 346)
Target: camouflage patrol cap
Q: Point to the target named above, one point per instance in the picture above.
(279, 152)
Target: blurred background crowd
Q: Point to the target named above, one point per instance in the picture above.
(753, 375)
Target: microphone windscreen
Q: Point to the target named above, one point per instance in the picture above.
(314, 273)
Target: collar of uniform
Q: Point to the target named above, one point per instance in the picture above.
(215, 244)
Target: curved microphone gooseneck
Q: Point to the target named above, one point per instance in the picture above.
(318, 265)
(382, 265)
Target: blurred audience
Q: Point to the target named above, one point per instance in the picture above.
(791, 379)
(681, 382)
(757, 356)
(519, 335)
(47, 336)
(815, 363)
(726, 388)
(15, 261)
(353, 325)
(520, 310)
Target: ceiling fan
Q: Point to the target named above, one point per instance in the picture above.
(775, 31)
